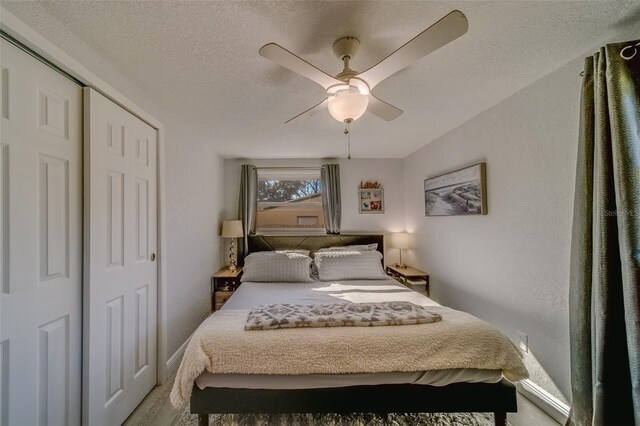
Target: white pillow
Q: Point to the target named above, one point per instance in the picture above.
(270, 266)
(349, 265)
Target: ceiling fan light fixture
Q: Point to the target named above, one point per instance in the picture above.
(348, 104)
(360, 84)
(336, 88)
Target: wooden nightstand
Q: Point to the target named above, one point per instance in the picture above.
(411, 277)
(223, 284)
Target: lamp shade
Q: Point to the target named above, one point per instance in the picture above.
(232, 229)
(400, 241)
(348, 104)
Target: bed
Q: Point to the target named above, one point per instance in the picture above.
(441, 390)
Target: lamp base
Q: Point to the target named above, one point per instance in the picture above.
(232, 257)
(401, 264)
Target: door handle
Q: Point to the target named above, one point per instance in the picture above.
(152, 257)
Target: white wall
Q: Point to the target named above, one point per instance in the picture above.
(194, 211)
(387, 172)
(511, 267)
(194, 182)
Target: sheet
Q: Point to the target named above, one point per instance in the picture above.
(314, 381)
(251, 294)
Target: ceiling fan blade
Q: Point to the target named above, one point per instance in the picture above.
(382, 109)
(282, 56)
(308, 113)
(442, 32)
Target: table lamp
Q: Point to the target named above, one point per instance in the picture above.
(232, 229)
(400, 241)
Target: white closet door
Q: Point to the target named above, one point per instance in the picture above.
(40, 241)
(120, 269)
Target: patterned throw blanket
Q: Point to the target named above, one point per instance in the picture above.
(269, 317)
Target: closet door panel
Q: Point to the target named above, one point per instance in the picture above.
(120, 298)
(40, 241)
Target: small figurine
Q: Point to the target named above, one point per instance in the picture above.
(370, 185)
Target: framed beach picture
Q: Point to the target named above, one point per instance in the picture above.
(371, 200)
(462, 192)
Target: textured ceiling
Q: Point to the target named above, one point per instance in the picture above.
(199, 61)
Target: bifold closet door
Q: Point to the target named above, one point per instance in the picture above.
(120, 291)
(40, 241)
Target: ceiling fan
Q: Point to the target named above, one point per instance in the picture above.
(349, 92)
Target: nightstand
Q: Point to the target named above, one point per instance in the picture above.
(223, 284)
(411, 277)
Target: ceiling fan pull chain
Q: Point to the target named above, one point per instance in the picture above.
(346, 132)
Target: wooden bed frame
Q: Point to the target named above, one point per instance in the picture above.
(497, 398)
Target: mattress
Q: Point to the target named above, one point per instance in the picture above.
(251, 294)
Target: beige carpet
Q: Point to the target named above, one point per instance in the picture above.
(432, 419)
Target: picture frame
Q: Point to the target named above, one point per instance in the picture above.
(371, 201)
(462, 192)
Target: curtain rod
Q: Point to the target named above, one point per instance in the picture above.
(289, 168)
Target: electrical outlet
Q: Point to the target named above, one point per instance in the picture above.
(523, 341)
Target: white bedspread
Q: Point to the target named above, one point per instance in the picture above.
(222, 346)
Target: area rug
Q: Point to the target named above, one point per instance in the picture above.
(397, 419)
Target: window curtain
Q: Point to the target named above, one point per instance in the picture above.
(248, 205)
(604, 299)
(332, 207)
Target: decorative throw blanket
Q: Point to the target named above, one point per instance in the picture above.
(269, 317)
(459, 340)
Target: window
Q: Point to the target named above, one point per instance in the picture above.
(289, 199)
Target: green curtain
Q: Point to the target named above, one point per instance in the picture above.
(604, 299)
(331, 204)
(247, 206)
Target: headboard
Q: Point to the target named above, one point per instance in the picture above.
(311, 242)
